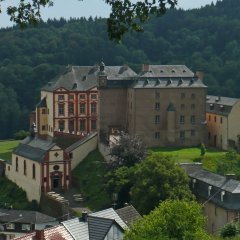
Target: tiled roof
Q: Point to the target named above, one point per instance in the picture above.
(98, 227)
(78, 229)
(24, 216)
(110, 214)
(128, 214)
(82, 78)
(220, 105)
(167, 71)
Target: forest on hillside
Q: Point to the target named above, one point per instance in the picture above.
(206, 39)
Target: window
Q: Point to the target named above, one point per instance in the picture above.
(70, 155)
(93, 96)
(26, 227)
(60, 97)
(33, 171)
(25, 168)
(43, 111)
(192, 133)
(183, 95)
(16, 164)
(157, 119)
(193, 119)
(221, 120)
(71, 97)
(71, 125)
(182, 135)
(211, 106)
(182, 106)
(60, 109)
(157, 94)
(215, 118)
(43, 127)
(93, 108)
(157, 106)
(209, 118)
(157, 135)
(193, 96)
(192, 106)
(182, 119)
(82, 125)
(82, 97)
(82, 108)
(10, 226)
(71, 108)
(94, 125)
(61, 125)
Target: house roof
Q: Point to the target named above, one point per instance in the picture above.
(166, 71)
(220, 105)
(57, 232)
(99, 227)
(42, 103)
(82, 78)
(23, 216)
(77, 228)
(128, 214)
(34, 148)
(110, 213)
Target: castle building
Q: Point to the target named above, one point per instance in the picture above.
(164, 105)
(222, 114)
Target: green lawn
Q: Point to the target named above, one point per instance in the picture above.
(210, 160)
(89, 173)
(6, 148)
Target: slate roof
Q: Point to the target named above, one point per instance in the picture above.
(23, 216)
(128, 214)
(218, 183)
(167, 71)
(168, 83)
(99, 227)
(110, 213)
(34, 148)
(42, 103)
(220, 105)
(82, 78)
(78, 229)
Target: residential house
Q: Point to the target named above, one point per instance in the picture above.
(219, 195)
(222, 114)
(164, 105)
(15, 223)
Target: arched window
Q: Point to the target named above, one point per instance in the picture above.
(24, 168)
(33, 171)
(16, 164)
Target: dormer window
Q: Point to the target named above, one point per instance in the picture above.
(209, 190)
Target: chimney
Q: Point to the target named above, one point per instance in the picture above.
(230, 176)
(145, 67)
(199, 75)
(84, 216)
(40, 234)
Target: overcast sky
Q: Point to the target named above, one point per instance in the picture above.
(86, 8)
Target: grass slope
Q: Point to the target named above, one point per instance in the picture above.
(210, 160)
(6, 148)
(89, 174)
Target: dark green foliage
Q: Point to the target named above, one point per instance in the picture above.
(127, 151)
(229, 230)
(203, 149)
(171, 220)
(11, 196)
(206, 39)
(21, 135)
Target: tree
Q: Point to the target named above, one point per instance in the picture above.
(229, 230)
(172, 219)
(125, 15)
(156, 179)
(127, 151)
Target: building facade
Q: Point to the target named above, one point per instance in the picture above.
(164, 105)
(222, 115)
(219, 195)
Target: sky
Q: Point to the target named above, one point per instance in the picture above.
(85, 8)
